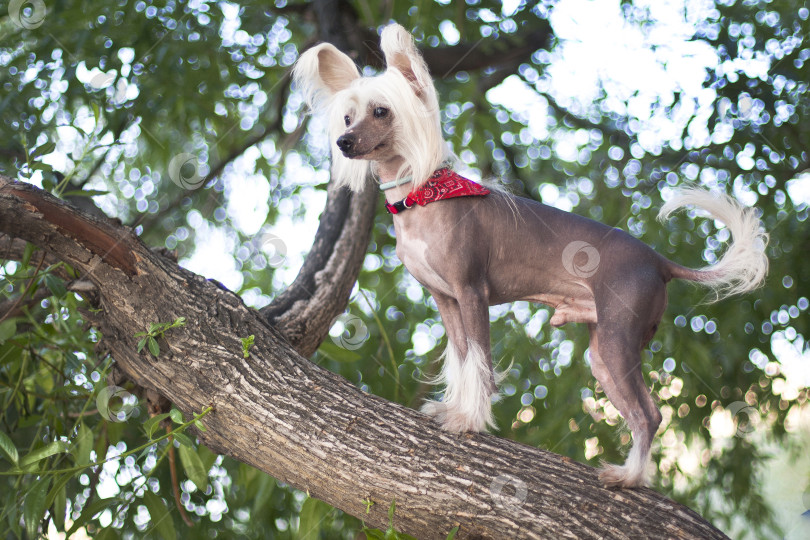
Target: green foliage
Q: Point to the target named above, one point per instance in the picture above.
(155, 332)
(313, 513)
(161, 520)
(247, 344)
(100, 99)
(391, 533)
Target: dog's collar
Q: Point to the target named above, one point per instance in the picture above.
(394, 183)
(442, 184)
(384, 186)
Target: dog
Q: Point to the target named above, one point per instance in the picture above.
(472, 246)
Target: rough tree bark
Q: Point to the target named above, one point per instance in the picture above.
(311, 428)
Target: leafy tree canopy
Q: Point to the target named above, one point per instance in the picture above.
(178, 119)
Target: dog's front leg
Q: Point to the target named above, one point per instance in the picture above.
(467, 369)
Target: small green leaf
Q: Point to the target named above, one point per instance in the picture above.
(84, 193)
(152, 424)
(452, 534)
(89, 511)
(207, 456)
(154, 348)
(8, 329)
(311, 517)
(373, 534)
(43, 150)
(59, 508)
(265, 486)
(56, 285)
(48, 182)
(42, 166)
(43, 452)
(9, 451)
(13, 517)
(177, 416)
(59, 484)
(141, 344)
(247, 343)
(83, 444)
(184, 440)
(391, 511)
(72, 361)
(194, 467)
(161, 520)
(34, 506)
(199, 425)
(28, 252)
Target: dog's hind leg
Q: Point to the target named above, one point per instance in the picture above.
(616, 343)
(617, 368)
(467, 369)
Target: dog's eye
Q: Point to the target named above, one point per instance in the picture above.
(380, 112)
(347, 120)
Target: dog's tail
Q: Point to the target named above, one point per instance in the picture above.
(744, 265)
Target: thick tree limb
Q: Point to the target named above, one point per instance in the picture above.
(304, 312)
(313, 429)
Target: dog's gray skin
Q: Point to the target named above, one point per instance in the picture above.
(481, 254)
(474, 252)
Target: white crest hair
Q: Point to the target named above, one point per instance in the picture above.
(332, 84)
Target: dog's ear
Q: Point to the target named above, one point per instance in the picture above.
(402, 55)
(324, 68)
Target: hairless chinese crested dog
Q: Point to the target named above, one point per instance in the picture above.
(473, 247)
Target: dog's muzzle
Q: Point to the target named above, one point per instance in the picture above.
(346, 144)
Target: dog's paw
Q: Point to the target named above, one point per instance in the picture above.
(621, 476)
(451, 419)
(434, 409)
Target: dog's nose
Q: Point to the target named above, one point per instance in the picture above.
(345, 142)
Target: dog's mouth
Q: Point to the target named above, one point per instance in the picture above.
(355, 155)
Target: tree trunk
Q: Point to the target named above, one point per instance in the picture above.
(313, 429)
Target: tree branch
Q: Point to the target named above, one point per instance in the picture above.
(487, 53)
(313, 429)
(304, 312)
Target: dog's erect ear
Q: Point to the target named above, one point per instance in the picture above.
(402, 55)
(324, 68)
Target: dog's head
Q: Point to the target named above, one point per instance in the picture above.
(389, 118)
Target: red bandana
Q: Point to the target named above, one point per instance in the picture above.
(443, 184)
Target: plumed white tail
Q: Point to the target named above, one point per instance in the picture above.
(744, 265)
